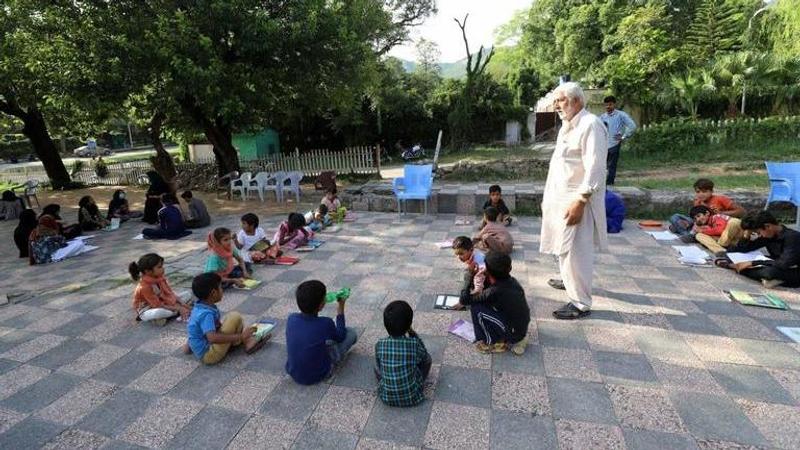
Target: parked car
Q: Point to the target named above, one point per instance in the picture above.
(85, 151)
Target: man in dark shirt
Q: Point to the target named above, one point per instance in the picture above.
(500, 313)
(782, 244)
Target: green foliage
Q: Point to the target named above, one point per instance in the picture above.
(688, 89)
(684, 137)
(717, 28)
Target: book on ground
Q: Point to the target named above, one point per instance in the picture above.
(260, 246)
(792, 333)
(463, 329)
(445, 301)
(445, 244)
(250, 284)
(281, 261)
(114, 225)
(755, 255)
(263, 327)
(663, 235)
(462, 221)
(754, 299)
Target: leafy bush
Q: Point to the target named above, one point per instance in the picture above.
(685, 137)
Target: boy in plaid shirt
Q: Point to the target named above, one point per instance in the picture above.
(402, 362)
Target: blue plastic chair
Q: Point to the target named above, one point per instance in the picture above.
(415, 184)
(784, 184)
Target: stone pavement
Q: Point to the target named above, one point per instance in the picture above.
(665, 361)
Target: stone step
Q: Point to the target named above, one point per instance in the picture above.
(468, 199)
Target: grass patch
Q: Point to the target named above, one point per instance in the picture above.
(122, 157)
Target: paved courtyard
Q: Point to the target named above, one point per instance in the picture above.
(665, 360)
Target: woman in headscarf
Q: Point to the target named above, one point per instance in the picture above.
(157, 188)
(68, 231)
(89, 215)
(118, 207)
(11, 206)
(27, 222)
(45, 240)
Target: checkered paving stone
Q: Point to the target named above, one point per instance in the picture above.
(664, 361)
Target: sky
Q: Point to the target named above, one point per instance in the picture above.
(484, 17)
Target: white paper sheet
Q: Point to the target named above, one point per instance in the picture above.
(755, 255)
(663, 235)
(463, 329)
(138, 237)
(690, 252)
(445, 244)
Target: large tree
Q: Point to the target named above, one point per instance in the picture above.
(235, 65)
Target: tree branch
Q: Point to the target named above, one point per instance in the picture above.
(463, 26)
(486, 61)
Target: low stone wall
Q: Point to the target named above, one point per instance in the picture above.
(526, 198)
(511, 169)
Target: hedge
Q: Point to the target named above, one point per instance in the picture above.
(686, 136)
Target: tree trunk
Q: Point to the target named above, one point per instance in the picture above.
(35, 129)
(162, 162)
(218, 134)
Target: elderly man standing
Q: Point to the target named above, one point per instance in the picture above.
(573, 210)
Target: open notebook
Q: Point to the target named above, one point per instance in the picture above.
(445, 301)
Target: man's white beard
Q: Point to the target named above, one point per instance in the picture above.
(561, 114)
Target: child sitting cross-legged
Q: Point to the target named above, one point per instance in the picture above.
(473, 259)
(170, 221)
(334, 205)
(493, 236)
(252, 241)
(318, 219)
(292, 233)
(210, 337)
(224, 258)
(704, 196)
(89, 216)
(401, 360)
(500, 313)
(153, 300)
(716, 232)
(314, 344)
(496, 200)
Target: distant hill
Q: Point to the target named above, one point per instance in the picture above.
(457, 69)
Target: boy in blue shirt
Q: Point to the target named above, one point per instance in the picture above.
(209, 338)
(402, 361)
(314, 344)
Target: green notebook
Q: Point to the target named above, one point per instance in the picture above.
(753, 299)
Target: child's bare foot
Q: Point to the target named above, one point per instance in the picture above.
(251, 345)
(186, 349)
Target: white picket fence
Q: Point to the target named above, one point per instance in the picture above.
(357, 160)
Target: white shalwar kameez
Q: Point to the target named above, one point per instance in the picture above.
(577, 167)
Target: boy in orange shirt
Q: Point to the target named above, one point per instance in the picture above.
(716, 232)
(704, 195)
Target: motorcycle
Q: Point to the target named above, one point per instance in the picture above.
(413, 153)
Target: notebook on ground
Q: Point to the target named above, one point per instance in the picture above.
(281, 261)
(463, 329)
(312, 245)
(755, 255)
(114, 225)
(754, 299)
(260, 246)
(250, 284)
(444, 244)
(663, 235)
(263, 327)
(445, 301)
(792, 333)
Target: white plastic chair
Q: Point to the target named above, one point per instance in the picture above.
(275, 183)
(240, 185)
(257, 184)
(294, 179)
(31, 186)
